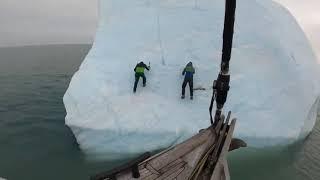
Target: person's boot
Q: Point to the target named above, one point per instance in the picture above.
(134, 91)
(182, 97)
(144, 85)
(191, 97)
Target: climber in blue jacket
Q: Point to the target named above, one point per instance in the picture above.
(188, 72)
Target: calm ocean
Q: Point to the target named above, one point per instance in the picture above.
(35, 144)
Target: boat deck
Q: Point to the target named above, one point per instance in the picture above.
(202, 157)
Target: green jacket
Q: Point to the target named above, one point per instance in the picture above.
(140, 68)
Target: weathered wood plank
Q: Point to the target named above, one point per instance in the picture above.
(152, 169)
(221, 136)
(145, 173)
(184, 175)
(151, 177)
(181, 149)
(124, 167)
(171, 165)
(221, 169)
(173, 171)
(175, 174)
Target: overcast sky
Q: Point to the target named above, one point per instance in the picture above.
(307, 14)
(25, 22)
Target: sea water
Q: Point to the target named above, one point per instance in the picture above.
(35, 144)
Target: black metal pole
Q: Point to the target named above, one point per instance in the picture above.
(221, 85)
(228, 30)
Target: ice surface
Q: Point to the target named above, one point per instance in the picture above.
(274, 80)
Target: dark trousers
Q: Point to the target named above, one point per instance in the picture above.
(138, 75)
(184, 84)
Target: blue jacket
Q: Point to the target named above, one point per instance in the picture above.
(188, 71)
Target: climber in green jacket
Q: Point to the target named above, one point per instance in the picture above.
(139, 72)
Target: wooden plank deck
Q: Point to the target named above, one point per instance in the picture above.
(202, 157)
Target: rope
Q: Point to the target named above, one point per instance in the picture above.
(211, 105)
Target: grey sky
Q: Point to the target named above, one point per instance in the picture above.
(25, 22)
(308, 16)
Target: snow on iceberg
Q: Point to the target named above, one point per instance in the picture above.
(273, 92)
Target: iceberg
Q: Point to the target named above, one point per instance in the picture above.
(274, 76)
